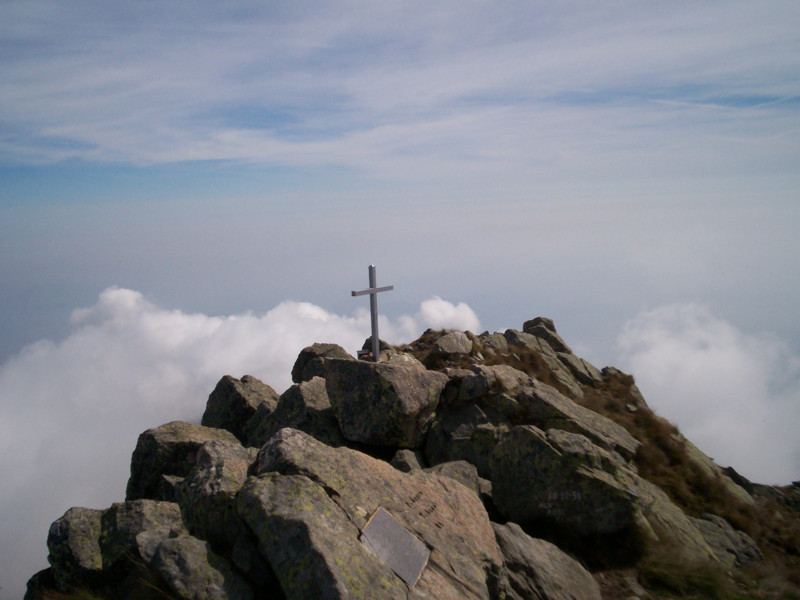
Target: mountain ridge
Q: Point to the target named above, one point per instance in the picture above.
(573, 488)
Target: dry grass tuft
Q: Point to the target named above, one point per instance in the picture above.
(662, 574)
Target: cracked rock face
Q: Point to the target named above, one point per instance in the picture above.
(452, 342)
(539, 569)
(192, 570)
(733, 548)
(207, 496)
(311, 360)
(164, 455)
(234, 401)
(304, 406)
(302, 481)
(383, 404)
(563, 480)
(74, 545)
(485, 402)
(311, 545)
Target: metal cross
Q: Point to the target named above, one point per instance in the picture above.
(373, 290)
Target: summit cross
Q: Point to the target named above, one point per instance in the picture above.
(373, 290)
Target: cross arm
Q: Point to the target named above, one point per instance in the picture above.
(385, 288)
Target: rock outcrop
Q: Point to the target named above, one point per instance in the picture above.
(731, 547)
(452, 342)
(165, 455)
(74, 546)
(304, 406)
(561, 481)
(335, 492)
(234, 401)
(538, 569)
(383, 404)
(311, 359)
(490, 474)
(485, 402)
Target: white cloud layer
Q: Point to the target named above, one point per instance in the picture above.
(734, 395)
(440, 314)
(71, 411)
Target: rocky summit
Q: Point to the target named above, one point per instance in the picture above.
(498, 466)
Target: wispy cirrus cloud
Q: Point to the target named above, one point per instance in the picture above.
(364, 86)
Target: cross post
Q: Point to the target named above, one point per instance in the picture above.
(373, 290)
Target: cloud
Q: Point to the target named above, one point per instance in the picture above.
(441, 314)
(385, 88)
(734, 395)
(71, 411)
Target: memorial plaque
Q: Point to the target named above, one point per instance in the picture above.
(401, 550)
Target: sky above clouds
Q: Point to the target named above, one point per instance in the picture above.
(192, 190)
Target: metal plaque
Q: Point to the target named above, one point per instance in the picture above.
(401, 550)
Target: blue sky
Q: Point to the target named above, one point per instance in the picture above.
(191, 190)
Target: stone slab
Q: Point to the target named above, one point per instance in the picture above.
(402, 552)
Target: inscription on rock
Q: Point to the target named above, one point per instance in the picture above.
(424, 508)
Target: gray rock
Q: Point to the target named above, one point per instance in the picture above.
(167, 451)
(496, 379)
(583, 371)
(304, 406)
(526, 341)
(544, 329)
(394, 357)
(455, 377)
(464, 434)
(461, 471)
(558, 371)
(148, 541)
(560, 477)
(568, 483)
(247, 558)
(703, 463)
(487, 498)
(168, 487)
(309, 362)
(338, 489)
(546, 408)
(207, 496)
(612, 373)
(207, 499)
(382, 404)
(733, 548)
(384, 348)
(452, 342)
(110, 549)
(740, 480)
(539, 570)
(406, 461)
(123, 522)
(233, 402)
(74, 545)
(489, 400)
(192, 570)
(310, 543)
(494, 342)
(41, 585)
